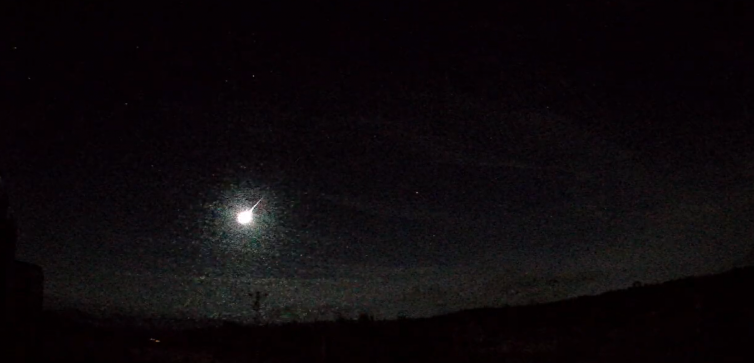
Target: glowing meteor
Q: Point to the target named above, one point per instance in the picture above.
(247, 216)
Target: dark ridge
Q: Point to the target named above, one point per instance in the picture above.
(692, 319)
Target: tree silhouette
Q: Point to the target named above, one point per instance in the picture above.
(8, 230)
(256, 305)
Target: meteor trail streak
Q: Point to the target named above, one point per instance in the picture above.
(247, 216)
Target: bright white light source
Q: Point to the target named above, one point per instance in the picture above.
(245, 217)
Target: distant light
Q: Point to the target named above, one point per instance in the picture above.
(245, 217)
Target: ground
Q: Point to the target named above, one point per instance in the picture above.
(709, 318)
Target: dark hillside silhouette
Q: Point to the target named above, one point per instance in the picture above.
(22, 288)
(695, 319)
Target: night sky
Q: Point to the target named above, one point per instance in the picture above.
(410, 158)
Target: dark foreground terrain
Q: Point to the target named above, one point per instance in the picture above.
(699, 319)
